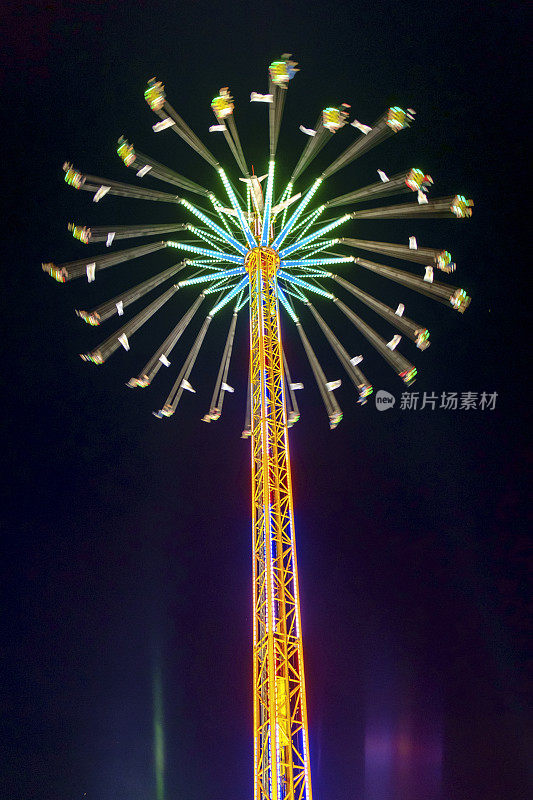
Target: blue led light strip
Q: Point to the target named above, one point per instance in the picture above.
(203, 251)
(315, 235)
(221, 232)
(286, 305)
(280, 238)
(304, 284)
(312, 262)
(214, 276)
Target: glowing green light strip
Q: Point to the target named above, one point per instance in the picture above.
(325, 243)
(308, 221)
(318, 250)
(233, 200)
(207, 237)
(208, 265)
(285, 196)
(268, 205)
(223, 217)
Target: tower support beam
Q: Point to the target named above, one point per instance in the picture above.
(281, 742)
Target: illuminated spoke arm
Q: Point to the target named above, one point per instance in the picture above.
(401, 365)
(417, 333)
(313, 236)
(212, 239)
(285, 196)
(443, 207)
(235, 203)
(364, 388)
(421, 255)
(210, 224)
(229, 296)
(182, 381)
(304, 284)
(121, 301)
(110, 233)
(449, 295)
(121, 337)
(412, 181)
(145, 165)
(207, 263)
(245, 299)
(332, 407)
(321, 248)
(205, 252)
(308, 221)
(225, 218)
(318, 246)
(90, 265)
(314, 262)
(221, 384)
(394, 120)
(222, 284)
(160, 357)
(229, 273)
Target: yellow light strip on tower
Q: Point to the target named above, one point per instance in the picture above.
(281, 750)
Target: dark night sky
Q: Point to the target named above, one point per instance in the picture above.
(126, 540)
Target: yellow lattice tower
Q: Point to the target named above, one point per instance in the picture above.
(281, 743)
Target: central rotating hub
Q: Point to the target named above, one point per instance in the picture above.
(264, 259)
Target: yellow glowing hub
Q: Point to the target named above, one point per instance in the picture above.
(264, 256)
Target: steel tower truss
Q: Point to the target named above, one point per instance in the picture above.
(281, 743)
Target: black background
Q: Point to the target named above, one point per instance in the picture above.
(126, 539)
